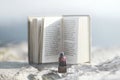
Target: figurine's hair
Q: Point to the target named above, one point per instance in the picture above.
(62, 54)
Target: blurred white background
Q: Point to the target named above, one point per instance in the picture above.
(104, 18)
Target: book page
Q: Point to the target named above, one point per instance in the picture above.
(40, 40)
(51, 39)
(34, 29)
(76, 39)
(70, 37)
(30, 57)
(84, 39)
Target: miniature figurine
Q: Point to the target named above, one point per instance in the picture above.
(62, 63)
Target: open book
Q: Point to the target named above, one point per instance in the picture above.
(48, 36)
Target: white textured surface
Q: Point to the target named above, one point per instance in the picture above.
(105, 65)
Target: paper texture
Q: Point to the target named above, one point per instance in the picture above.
(51, 38)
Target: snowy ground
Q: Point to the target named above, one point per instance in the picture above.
(105, 65)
